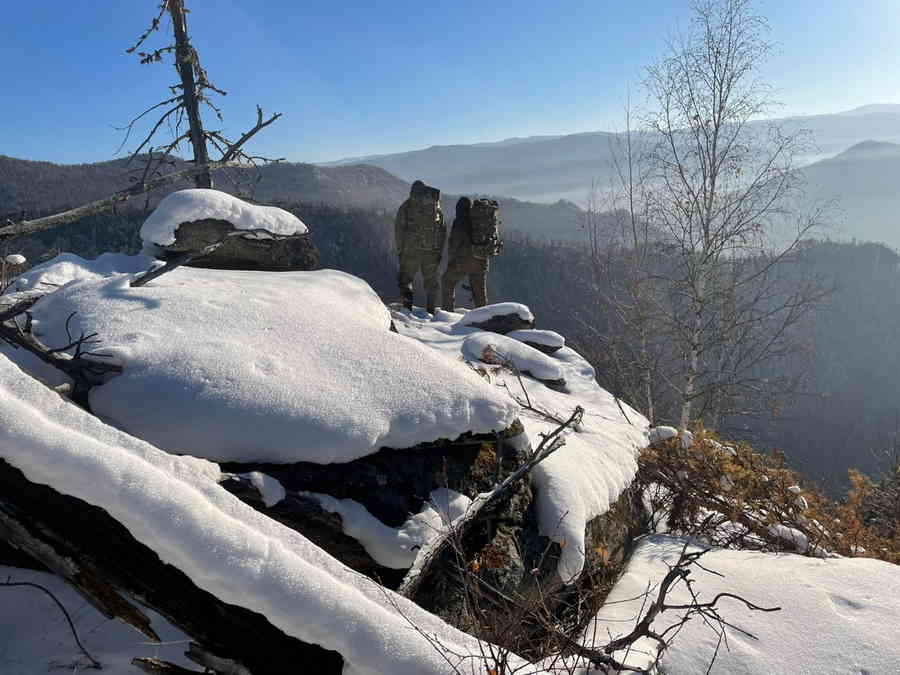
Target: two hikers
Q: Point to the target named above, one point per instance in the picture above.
(420, 233)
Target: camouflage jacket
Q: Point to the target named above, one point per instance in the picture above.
(419, 226)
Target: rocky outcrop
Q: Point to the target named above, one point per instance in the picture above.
(393, 484)
(504, 323)
(505, 551)
(251, 251)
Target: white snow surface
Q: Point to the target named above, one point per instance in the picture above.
(482, 314)
(548, 338)
(493, 348)
(584, 478)
(15, 259)
(837, 615)
(175, 506)
(185, 206)
(264, 366)
(658, 434)
(397, 547)
(270, 489)
(67, 267)
(35, 637)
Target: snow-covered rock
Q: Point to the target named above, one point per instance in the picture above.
(397, 547)
(254, 366)
(15, 259)
(175, 506)
(499, 349)
(195, 204)
(546, 341)
(501, 317)
(270, 489)
(583, 479)
(660, 434)
(791, 534)
(836, 616)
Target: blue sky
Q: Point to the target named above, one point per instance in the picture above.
(355, 78)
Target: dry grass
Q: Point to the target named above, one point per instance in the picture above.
(732, 496)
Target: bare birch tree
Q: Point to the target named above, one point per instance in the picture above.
(697, 252)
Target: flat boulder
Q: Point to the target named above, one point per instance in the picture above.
(505, 351)
(546, 341)
(502, 318)
(246, 236)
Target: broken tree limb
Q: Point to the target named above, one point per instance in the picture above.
(85, 372)
(104, 562)
(172, 263)
(434, 555)
(158, 667)
(18, 308)
(234, 150)
(217, 664)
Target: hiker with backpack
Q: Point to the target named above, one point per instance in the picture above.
(474, 240)
(419, 235)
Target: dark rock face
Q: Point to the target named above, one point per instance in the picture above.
(504, 323)
(546, 349)
(261, 252)
(505, 550)
(392, 484)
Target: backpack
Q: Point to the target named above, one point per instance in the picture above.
(428, 231)
(485, 217)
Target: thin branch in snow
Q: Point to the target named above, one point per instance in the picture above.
(10, 584)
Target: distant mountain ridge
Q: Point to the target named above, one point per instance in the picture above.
(548, 168)
(867, 148)
(863, 180)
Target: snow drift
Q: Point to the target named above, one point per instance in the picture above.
(837, 615)
(175, 506)
(255, 366)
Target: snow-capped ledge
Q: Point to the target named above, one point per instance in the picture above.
(252, 366)
(186, 206)
(488, 312)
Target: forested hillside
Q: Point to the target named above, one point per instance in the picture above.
(43, 187)
(38, 188)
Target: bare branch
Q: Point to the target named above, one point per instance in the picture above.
(10, 584)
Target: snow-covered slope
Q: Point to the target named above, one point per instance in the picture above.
(837, 616)
(580, 481)
(175, 506)
(256, 366)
